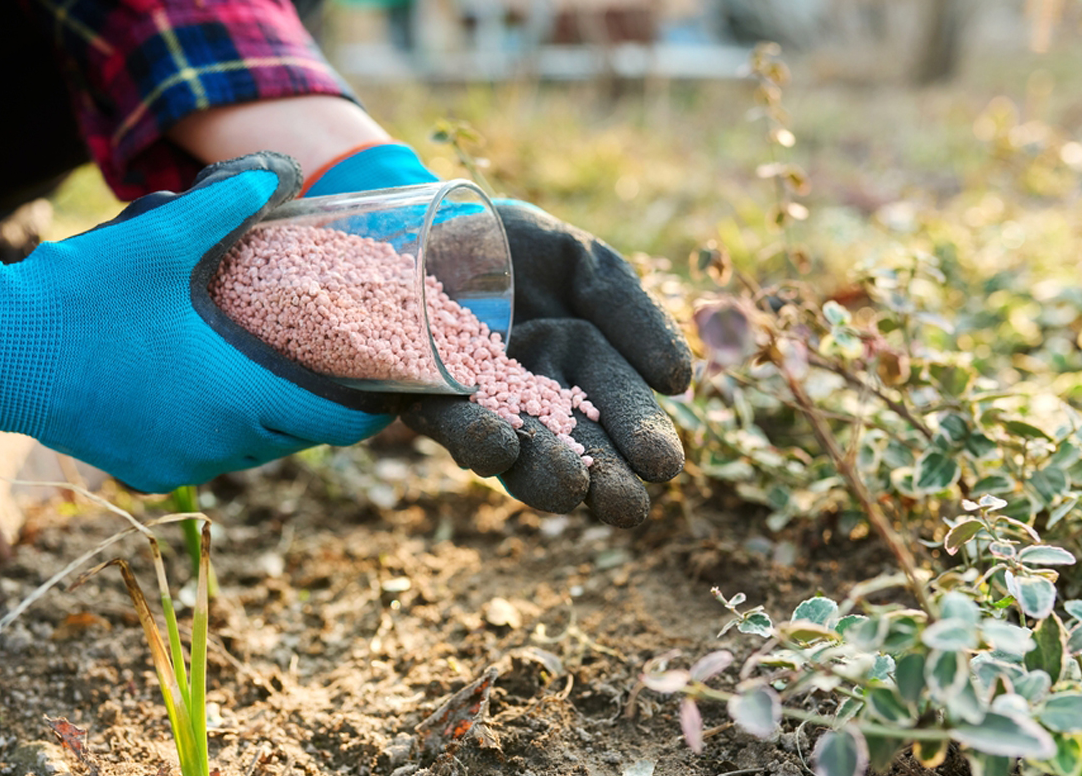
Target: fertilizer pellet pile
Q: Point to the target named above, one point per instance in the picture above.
(345, 305)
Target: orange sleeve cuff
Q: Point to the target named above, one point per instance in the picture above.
(311, 179)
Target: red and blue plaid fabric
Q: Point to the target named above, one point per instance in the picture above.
(136, 67)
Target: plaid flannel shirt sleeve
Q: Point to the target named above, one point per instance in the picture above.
(136, 67)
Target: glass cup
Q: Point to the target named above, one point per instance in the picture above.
(363, 274)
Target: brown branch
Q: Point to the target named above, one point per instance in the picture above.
(899, 408)
(860, 492)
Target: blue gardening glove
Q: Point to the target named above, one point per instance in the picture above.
(581, 317)
(111, 350)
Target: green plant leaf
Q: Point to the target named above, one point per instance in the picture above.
(980, 446)
(1061, 511)
(804, 632)
(1006, 736)
(954, 380)
(847, 710)
(988, 669)
(955, 605)
(1050, 647)
(1068, 758)
(868, 633)
(836, 314)
(757, 711)
(909, 675)
(868, 456)
(882, 668)
(1033, 685)
(935, 471)
(1073, 607)
(758, 624)
(881, 751)
(960, 534)
(819, 610)
(966, 705)
(902, 480)
(848, 621)
(1005, 637)
(954, 426)
(950, 634)
(994, 483)
(841, 753)
(1001, 549)
(1049, 483)
(896, 455)
(1022, 526)
(1036, 595)
(1066, 455)
(931, 754)
(902, 632)
(944, 674)
(888, 705)
(981, 764)
(1074, 641)
(1062, 712)
(1046, 555)
(1025, 430)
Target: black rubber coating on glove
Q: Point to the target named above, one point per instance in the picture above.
(564, 272)
(548, 475)
(477, 438)
(574, 352)
(582, 318)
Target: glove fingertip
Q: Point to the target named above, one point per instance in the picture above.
(477, 438)
(619, 501)
(616, 496)
(656, 456)
(548, 474)
(489, 448)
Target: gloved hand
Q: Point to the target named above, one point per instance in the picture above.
(581, 317)
(111, 350)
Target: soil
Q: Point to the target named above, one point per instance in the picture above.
(362, 589)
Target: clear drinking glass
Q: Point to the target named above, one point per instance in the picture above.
(449, 231)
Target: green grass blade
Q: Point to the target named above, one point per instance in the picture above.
(199, 652)
(173, 630)
(177, 710)
(186, 499)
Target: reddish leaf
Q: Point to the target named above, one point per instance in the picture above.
(73, 739)
(461, 718)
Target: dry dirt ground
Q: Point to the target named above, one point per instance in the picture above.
(361, 589)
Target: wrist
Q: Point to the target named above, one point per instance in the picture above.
(30, 332)
(314, 129)
(370, 166)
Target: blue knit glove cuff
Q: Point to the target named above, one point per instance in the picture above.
(376, 167)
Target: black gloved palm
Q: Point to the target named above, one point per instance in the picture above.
(581, 317)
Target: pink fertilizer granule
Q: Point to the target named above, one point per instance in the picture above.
(345, 306)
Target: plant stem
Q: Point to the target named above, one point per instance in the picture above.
(186, 499)
(839, 416)
(860, 491)
(700, 690)
(899, 408)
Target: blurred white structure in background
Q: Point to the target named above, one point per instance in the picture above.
(864, 41)
(459, 40)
